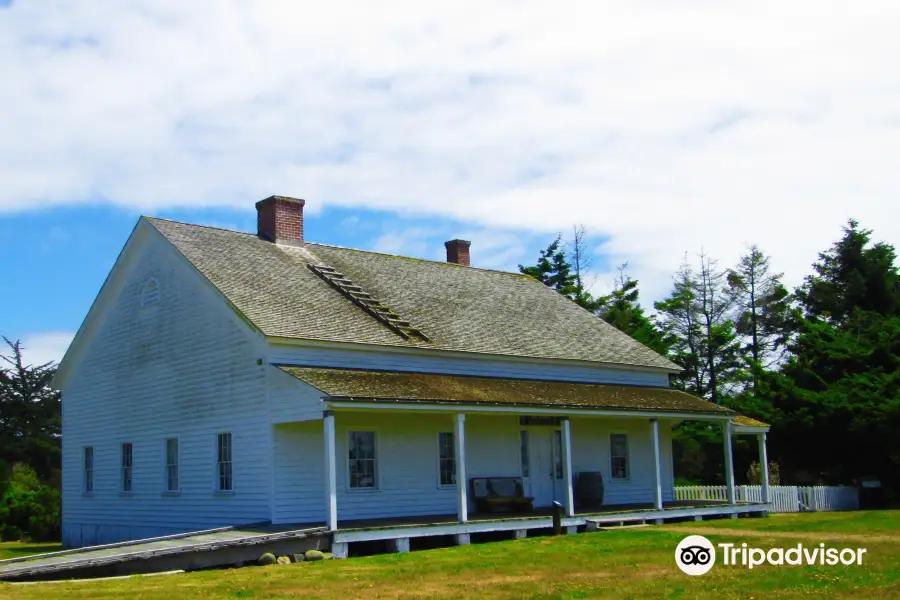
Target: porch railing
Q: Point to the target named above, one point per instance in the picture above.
(785, 498)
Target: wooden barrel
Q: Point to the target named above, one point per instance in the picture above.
(589, 490)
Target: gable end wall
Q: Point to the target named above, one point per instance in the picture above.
(186, 368)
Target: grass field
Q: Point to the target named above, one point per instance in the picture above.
(17, 549)
(637, 563)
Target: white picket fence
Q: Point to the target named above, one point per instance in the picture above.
(785, 498)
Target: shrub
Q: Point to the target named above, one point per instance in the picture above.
(755, 477)
(29, 508)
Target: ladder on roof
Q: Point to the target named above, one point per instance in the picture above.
(368, 303)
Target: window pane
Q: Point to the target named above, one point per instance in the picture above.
(558, 462)
(619, 445)
(618, 451)
(224, 465)
(89, 469)
(362, 460)
(447, 460)
(171, 451)
(172, 465)
(523, 449)
(127, 461)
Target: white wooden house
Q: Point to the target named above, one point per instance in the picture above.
(226, 378)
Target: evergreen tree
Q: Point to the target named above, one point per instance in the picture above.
(695, 317)
(721, 349)
(680, 319)
(837, 397)
(554, 270)
(622, 309)
(763, 306)
(29, 413)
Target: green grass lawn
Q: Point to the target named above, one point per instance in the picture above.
(861, 522)
(17, 549)
(637, 563)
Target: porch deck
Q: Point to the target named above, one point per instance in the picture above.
(433, 525)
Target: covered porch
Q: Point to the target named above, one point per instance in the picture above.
(399, 452)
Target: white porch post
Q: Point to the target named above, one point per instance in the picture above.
(763, 467)
(729, 464)
(459, 449)
(330, 472)
(567, 466)
(657, 491)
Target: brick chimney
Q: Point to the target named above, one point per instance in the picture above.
(458, 251)
(279, 219)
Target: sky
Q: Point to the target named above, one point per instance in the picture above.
(663, 127)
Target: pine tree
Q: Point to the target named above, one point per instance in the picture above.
(680, 320)
(695, 316)
(721, 350)
(29, 413)
(554, 270)
(762, 304)
(837, 397)
(622, 309)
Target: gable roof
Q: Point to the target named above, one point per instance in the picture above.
(459, 308)
(389, 386)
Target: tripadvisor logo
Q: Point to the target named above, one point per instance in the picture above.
(696, 555)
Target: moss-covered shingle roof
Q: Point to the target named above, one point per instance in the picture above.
(460, 308)
(347, 384)
(744, 421)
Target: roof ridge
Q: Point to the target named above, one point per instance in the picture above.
(324, 245)
(149, 218)
(425, 260)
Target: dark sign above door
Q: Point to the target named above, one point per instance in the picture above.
(526, 421)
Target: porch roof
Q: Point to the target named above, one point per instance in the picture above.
(384, 386)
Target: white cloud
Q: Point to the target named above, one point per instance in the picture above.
(41, 348)
(663, 127)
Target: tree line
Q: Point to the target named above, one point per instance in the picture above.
(29, 448)
(820, 363)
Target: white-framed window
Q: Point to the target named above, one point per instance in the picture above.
(618, 456)
(446, 459)
(557, 454)
(88, 469)
(172, 464)
(150, 293)
(127, 466)
(362, 459)
(224, 479)
(523, 453)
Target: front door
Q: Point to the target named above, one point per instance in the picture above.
(542, 469)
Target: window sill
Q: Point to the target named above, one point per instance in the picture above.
(171, 493)
(87, 494)
(370, 490)
(225, 493)
(126, 494)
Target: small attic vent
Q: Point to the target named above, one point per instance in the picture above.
(150, 293)
(365, 301)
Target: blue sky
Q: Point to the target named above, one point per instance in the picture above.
(664, 128)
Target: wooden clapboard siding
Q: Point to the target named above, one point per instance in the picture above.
(185, 368)
(291, 400)
(407, 448)
(590, 452)
(384, 359)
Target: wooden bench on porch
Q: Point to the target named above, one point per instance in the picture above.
(500, 493)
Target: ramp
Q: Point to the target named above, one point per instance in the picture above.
(187, 551)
